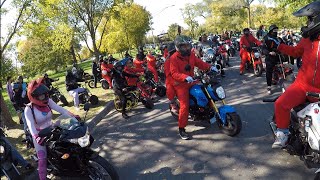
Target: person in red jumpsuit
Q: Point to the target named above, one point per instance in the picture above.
(139, 61)
(131, 69)
(182, 64)
(170, 92)
(165, 51)
(308, 78)
(151, 63)
(246, 42)
(106, 68)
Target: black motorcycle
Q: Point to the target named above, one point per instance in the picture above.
(57, 96)
(86, 96)
(7, 165)
(104, 83)
(69, 152)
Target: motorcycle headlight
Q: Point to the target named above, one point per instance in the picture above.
(84, 141)
(220, 92)
(1, 150)
(257, 55)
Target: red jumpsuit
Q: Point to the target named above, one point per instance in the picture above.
(179, 74)
(138, 63)
(108, 68)
(151, 62)
(132, 81)
(169, 80)
(308, 79)
(244, 54)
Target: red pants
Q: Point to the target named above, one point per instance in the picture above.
(109, 79)
(292, 97)
(171, 93)
(245, 56)
(155, 73)
(183, 97)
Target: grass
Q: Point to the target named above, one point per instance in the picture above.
(16, 133)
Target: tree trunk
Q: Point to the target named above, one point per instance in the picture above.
(6, 118)
(249, 17)
(73, 55)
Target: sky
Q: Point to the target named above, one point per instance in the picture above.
(165, 12)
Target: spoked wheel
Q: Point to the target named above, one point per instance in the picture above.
(91, 83)
(117, 103)
(258, 70)
(101, 169)
(233, 126)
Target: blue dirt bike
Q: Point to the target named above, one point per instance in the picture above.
(203, 97)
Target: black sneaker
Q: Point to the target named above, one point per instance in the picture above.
(125, 116)
(183, 134)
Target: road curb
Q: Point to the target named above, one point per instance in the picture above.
(95, 120)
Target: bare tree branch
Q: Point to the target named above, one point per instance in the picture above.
(102, 34)
(2, 3)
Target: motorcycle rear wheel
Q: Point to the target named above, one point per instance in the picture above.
(161, 91)
(105, 85)
(148, 103)
(99, 168)
(233, 126)
(91, 83)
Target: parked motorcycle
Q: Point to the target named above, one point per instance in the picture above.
(69, 152)
(87, 96)
(203, 97)
(223, 52)
(7, 165)
(57, 96)
(104, 83)
(255, 62)
(304, 136)
(230, 48)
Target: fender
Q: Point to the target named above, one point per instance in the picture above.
(256, 62)
(223, 110)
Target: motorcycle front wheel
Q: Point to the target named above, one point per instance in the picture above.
(91, 83)
(233, 126)
(161, 91)
(258, 70)
(99, 168)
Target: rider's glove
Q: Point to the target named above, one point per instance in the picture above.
(214, 69)
(189, 79)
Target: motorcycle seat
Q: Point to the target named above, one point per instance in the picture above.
(301, 106)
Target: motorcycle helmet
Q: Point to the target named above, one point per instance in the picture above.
(38, 93)
(272, 27)
(118, 66)
(273, 30)
(246, 31)
(312, 11)
(45, 75)
(183, 45)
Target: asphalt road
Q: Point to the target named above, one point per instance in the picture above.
(147, 145)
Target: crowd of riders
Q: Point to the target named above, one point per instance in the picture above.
(34, 106)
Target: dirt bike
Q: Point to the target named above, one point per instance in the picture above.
(304, 136)
(134, 95)
(255, 62)
(7, 164)
(69, 152)
(282, 72)
(223, 51)
(204, 95)
(104, 83)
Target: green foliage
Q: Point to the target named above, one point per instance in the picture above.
(189, 14)
(6, 69)
(127, 28)
(173, 31)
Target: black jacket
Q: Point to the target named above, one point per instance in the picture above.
(269, 46)
(72, 82)
(94, 68)
(119, 78)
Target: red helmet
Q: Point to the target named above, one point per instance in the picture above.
(38, 93)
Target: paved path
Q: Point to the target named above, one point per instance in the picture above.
(147, 145)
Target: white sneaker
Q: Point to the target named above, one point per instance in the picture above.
(269, 90)
(280, 141)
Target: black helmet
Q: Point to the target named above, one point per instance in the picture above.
(246, 30)
(272, 27)
(45, 75)
(179, 42)
(312, 11)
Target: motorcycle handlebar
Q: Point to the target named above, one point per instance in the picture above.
(313, 94)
